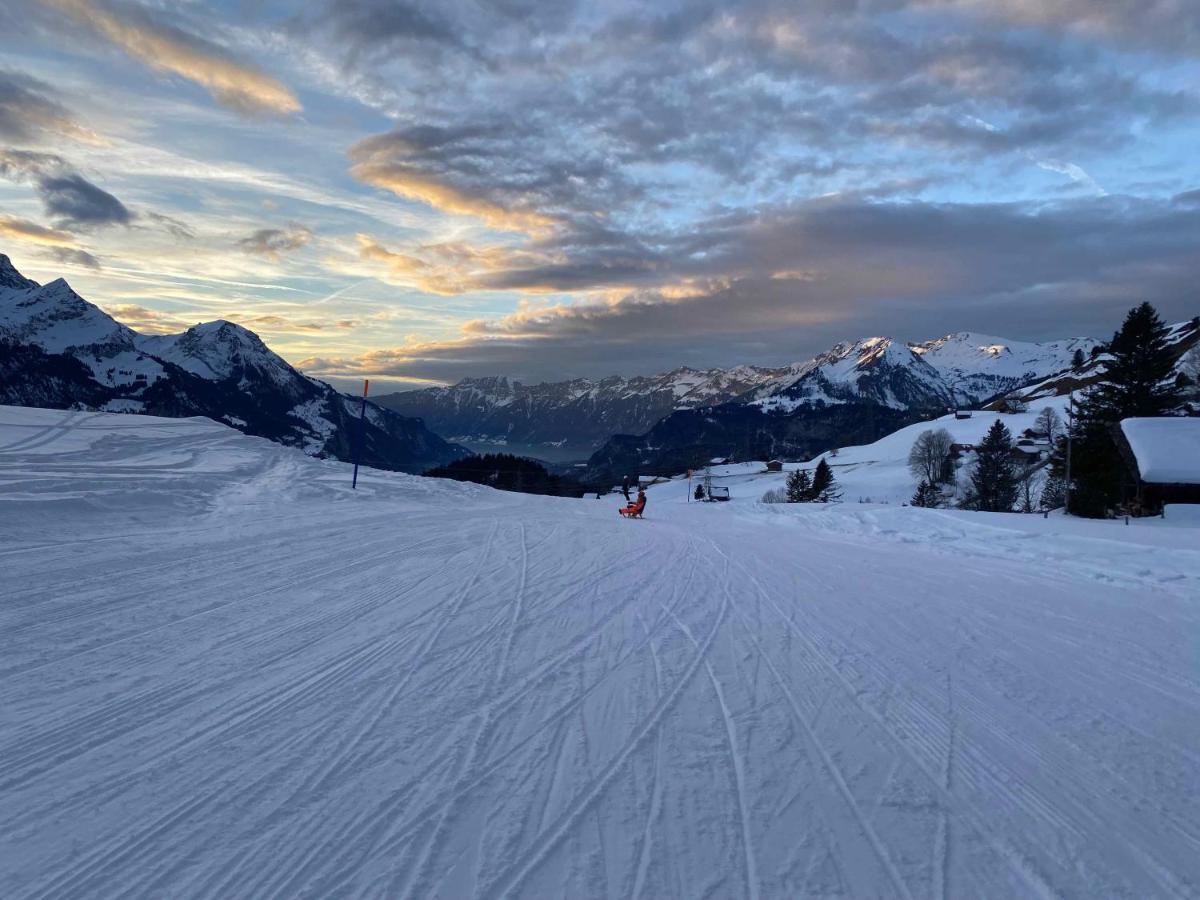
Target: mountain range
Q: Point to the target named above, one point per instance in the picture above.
(859, 392)
(58, 350)
(568, 417)
(847, 393)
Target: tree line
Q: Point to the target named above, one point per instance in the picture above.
(802, 486)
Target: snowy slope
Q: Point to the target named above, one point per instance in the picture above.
(878, 472)
(223, 673)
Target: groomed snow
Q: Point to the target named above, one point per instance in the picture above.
(1167, 450)
(223, 673)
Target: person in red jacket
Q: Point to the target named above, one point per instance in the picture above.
(634, 509)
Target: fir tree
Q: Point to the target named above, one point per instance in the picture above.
(927, 496)
(994, 481)
(1136, 380)
(799, 486)
(1077, 360)
(825, 488)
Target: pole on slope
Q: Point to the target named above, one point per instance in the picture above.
(362, 433)
(689, 496)
(1070, 429)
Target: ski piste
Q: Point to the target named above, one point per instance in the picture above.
(225, 673)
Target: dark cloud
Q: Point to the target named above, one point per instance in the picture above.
(172, 226)
(29, 111)
(73, 201)
(274, 242)
(807, 274)
(69, 199)
(74, 256)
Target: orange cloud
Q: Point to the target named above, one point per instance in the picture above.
(447, 268)
(30, 232)
(236, 85)
(145, 320)
(377, 166)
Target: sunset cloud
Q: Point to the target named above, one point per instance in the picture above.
(23, 230)
(274, 242)
(168, 48)
(412, 184)
(542, 189)
(28, 111)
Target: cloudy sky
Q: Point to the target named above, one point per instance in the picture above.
(422, 191)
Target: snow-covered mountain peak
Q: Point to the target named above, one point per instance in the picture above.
(11, 279)
(57, 319)
(218, 350)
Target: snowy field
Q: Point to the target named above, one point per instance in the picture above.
(223, 674)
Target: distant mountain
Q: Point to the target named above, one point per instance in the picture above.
(579, 414)
(58, 350)
(1183, 339)
(854, 393)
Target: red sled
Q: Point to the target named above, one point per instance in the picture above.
(633, 510)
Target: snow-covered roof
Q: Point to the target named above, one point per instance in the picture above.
(1167, 449)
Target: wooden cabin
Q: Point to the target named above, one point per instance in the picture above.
(1162, 456)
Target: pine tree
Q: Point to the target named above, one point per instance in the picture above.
(1077, 360)
(825, 488)
(798, 486)
(927, 496)
(1136, 380)
(994, 481)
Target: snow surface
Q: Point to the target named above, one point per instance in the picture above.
(223, 673)
(1167, 450)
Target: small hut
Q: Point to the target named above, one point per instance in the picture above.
(775, 465)
(1163, 458)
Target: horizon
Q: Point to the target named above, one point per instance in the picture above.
(354, 385)
(416, 196)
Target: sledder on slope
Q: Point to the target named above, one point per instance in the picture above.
(634, 510)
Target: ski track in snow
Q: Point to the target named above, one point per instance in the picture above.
(223, 674)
